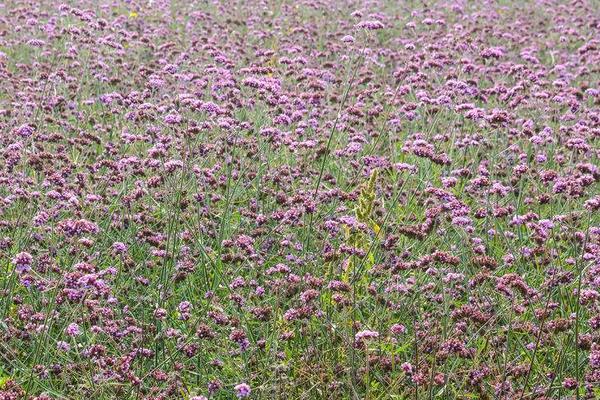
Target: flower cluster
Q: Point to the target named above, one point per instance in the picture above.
(299, 199)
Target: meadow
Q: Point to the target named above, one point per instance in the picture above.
(312, 199)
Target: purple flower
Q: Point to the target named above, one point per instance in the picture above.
(398, 329)
(407, 367)
(63, 346)
(570, 383)
(365, 335)
(214, 386)
(184, 308)
(595, 358)
(24, 130)
(369, 25)
(73, 330)
(22, 262)
(173, 119)
(119, 247)
(160, 313)
(242, 390)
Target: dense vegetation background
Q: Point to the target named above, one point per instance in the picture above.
(299, 200)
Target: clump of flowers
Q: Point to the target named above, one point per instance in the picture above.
(281, 200)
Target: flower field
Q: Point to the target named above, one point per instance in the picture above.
(313, 199)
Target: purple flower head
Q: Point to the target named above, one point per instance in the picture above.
(63, 346)
(22, 262)
(119, 247)
(242, 390)
(173, 119)
(73, 330)
(369, 25)
(160, 313)
(184, 308)
(25, 130)
(570, 383)
(362, 336)
(407, 367)
(398, 329)
(214, 386)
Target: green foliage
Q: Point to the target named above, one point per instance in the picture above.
(358, 238)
